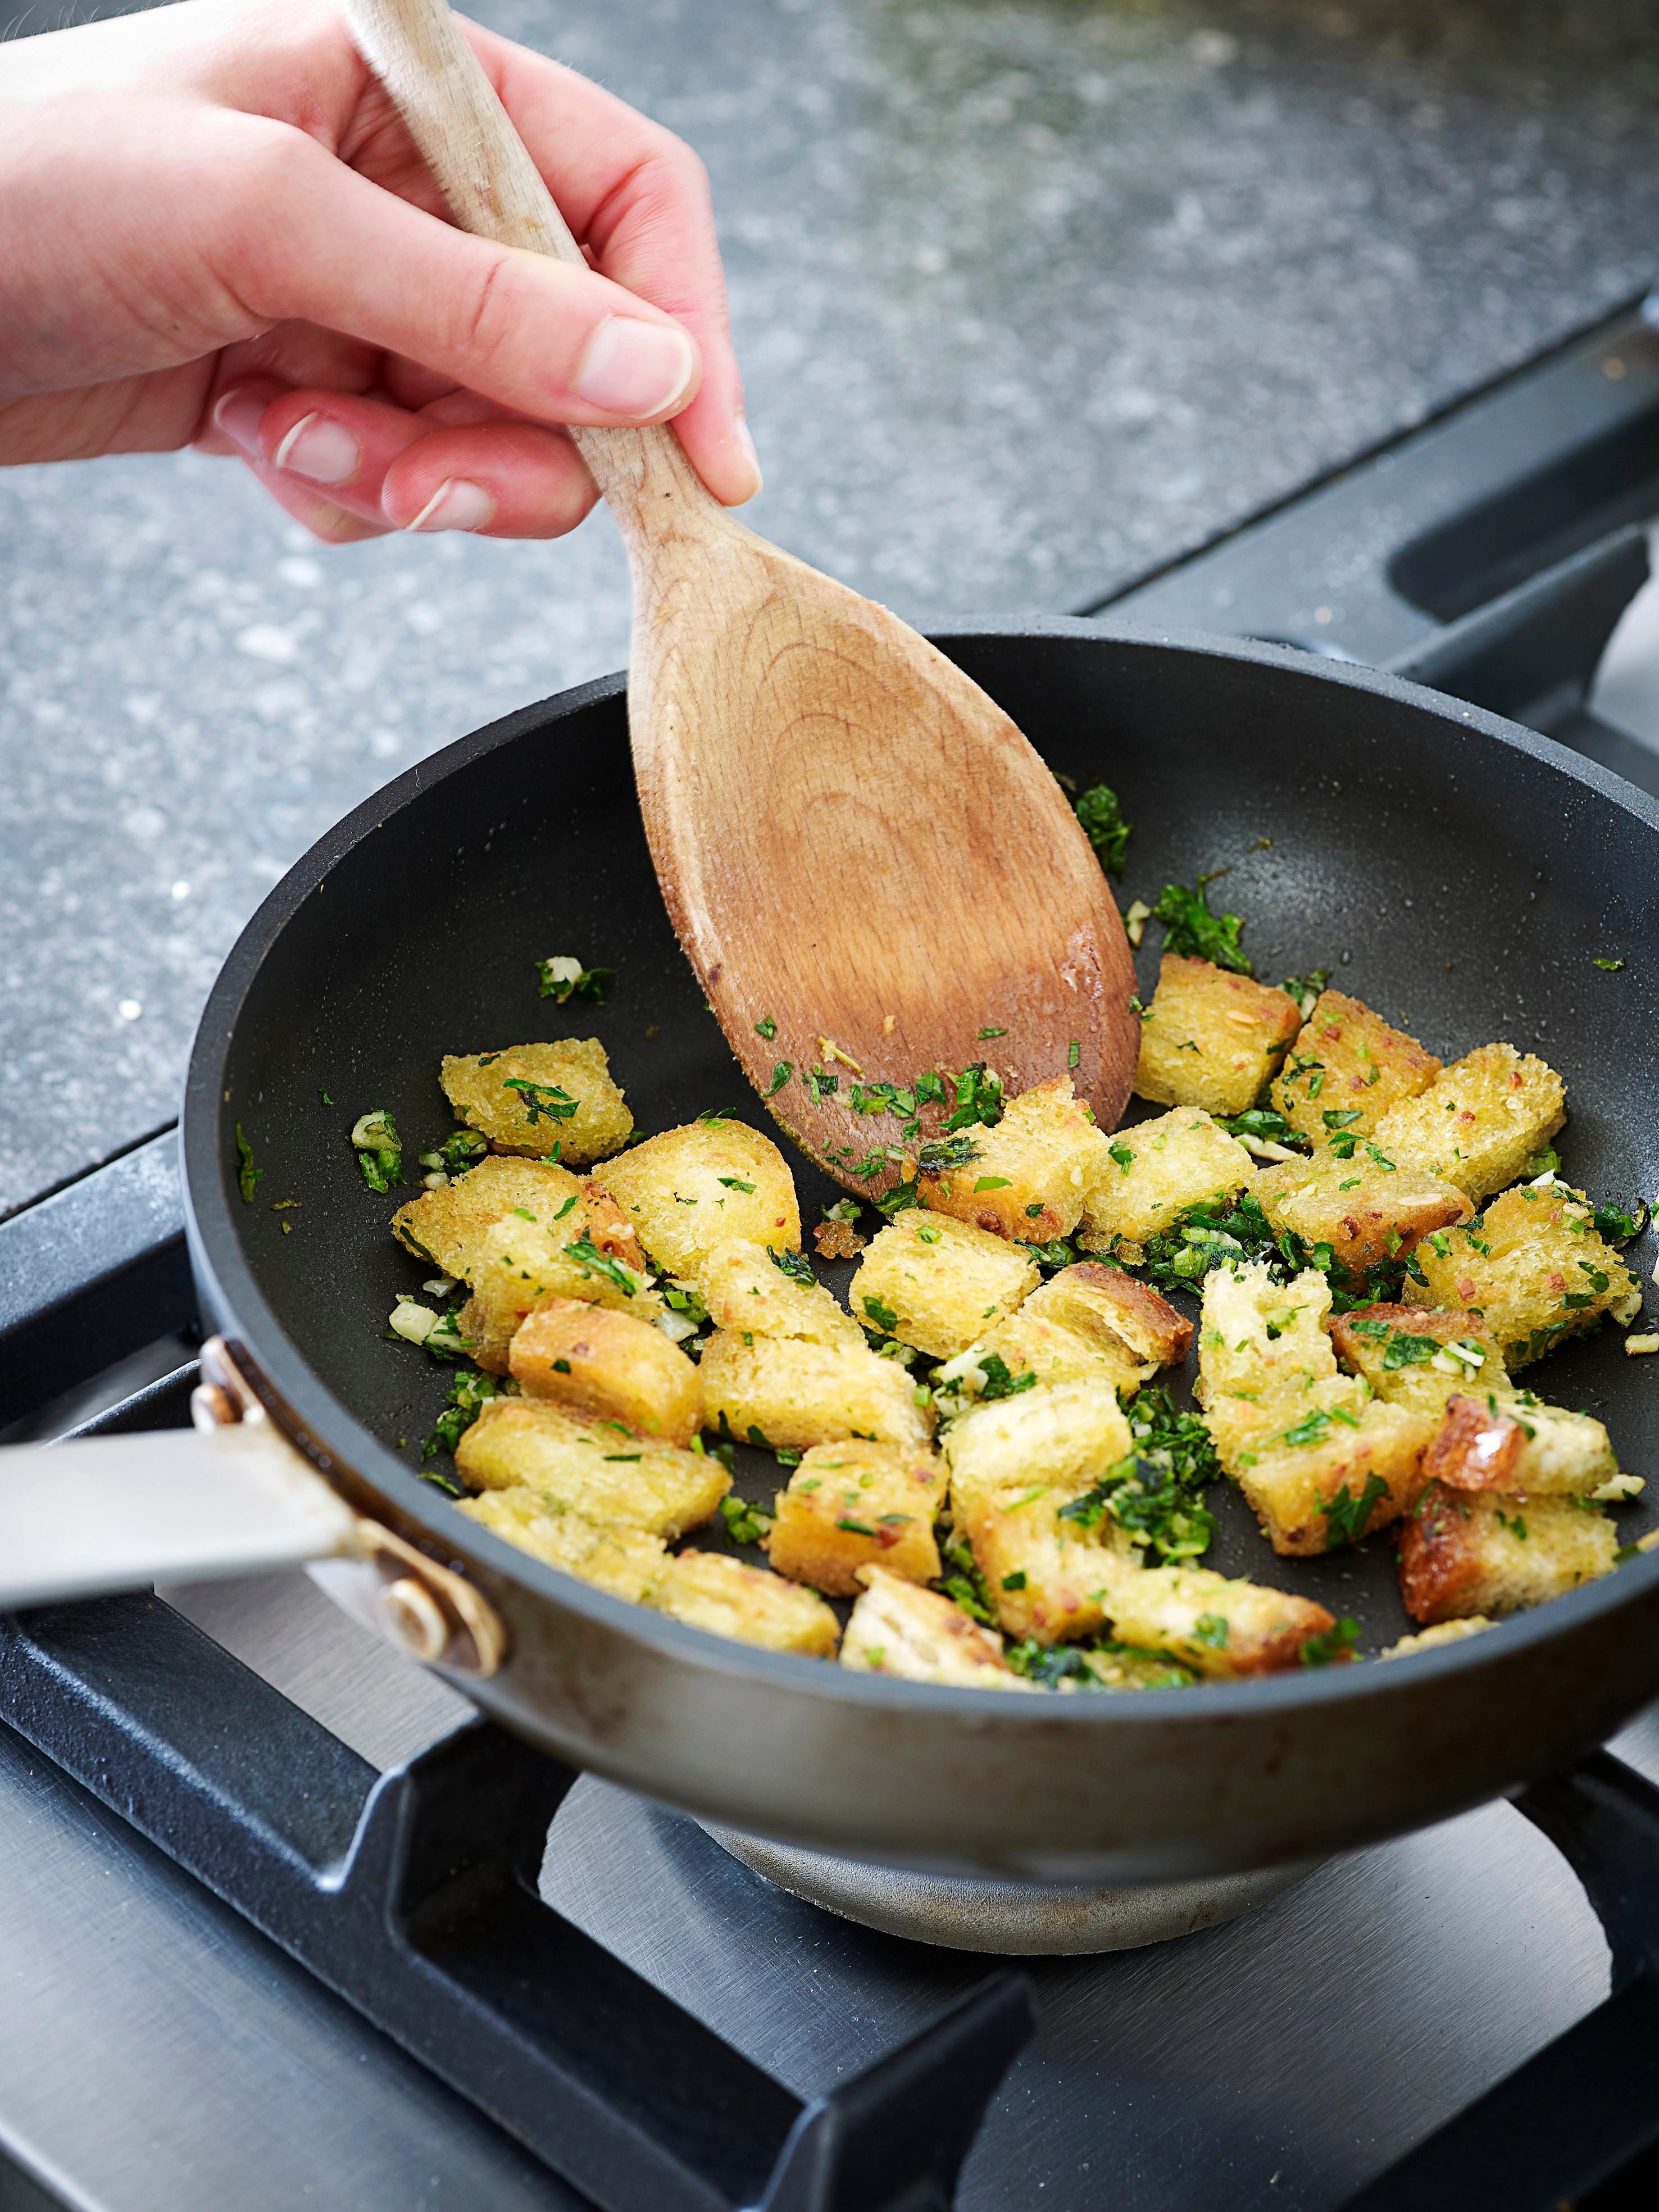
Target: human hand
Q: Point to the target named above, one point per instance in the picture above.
(215, 231)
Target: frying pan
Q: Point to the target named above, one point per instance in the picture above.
(1451, 868)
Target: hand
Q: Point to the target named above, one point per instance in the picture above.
(215, 231)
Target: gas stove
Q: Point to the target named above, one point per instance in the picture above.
(285, 1924)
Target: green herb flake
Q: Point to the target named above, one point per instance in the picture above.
(1193, 930)
(563, 978)
(378, 1148)
(767, 1029)
(1073, 1052)
(591, 1261)
(248, 1176)
(1211, 1629)
(1336, 1644)
(781, 1074)
(1104, 825)
(1346, 1516)
(990, 1182)
(991, 1033)
(883, 1315)
(1611, 966)
(745, 1523)
(541, 1101)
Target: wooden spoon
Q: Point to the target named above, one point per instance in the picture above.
(873, 871)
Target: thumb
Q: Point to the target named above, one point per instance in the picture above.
(549, 340)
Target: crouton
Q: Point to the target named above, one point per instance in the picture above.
(1152, 1173)
(694, 1187)
(1067, 1437)
(1367, 1208)
(1480, 1123)
(1347, 1067)
(1220, 1626)
(1028, 1177)
(1046, 1569)
(551, 1101)
(1512, 1444)
(596, 1470)
(724, 1597)
(447, 1226)
(1433, 1639)
(1256, 1334)
(519, 1262)
(1212, 1039)
(608, 1365)
(938, 1284)
(789, 1393)
(744, 1289)
(855, 1505)
(621, 1561)
(1087, 1323)
(1418, 1355)
(917, 1634)
(1464, 1553)
(1533, 1265)
(1122, 1666)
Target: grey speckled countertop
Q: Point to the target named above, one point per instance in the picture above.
(1032, 297)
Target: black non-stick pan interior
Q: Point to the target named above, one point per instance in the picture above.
(1459, 881)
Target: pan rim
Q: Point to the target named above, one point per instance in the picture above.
(232, 1291)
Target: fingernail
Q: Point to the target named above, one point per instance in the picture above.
(745, 446)
(635, 369)
(239, 415)
(456, 505)
(320, 451)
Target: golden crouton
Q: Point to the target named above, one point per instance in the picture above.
(1257, 1335)
(692, 1187)
(787, 1393)
(520, 1261)
(1464, 1553)
(622, 1561)
(1418, 1355)
(1533, 1265)
(746, 1291)
(447, 1225)
(609, 1367)
(1347, 1068)
(724, 1597)
(897, 1629)
(1220, 1626)
(591, 1468)
(1514, 1444)
(938, 1284)
(1480, 1123)
(856, 1504)
(1067, 1438)
(1432, 1639)
(1367, 1209)
(1089, 1323)
(1046, 1569)
(1028, 1177)
(1212, 1039)
(1152, 1173)
(553, 1101)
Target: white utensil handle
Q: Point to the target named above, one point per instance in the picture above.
(118, 1513)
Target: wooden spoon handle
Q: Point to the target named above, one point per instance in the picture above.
(485, 170)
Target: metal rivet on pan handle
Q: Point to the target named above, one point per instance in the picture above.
(428, 1611)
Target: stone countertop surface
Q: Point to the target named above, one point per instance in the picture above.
(1031, 297)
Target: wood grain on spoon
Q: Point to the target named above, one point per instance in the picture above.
(873, 871)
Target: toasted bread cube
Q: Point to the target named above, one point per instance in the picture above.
(917, 1634)
(1434, 1639)
(692, 1187)
(938, 1284)
(1220, 1626)
(623, 1561)
(1030, 1174)
(1347, 1068)
(1028, 1345)
(1212, 1039)
(1256, 1335)
(1332, 1471)
(1534, 1266)
(551, 1101)
(746, 1291)
(1088, 1322)
(520, 1262)
(1367, 1209)
(592, 1470)
(855, 1505)
(785, 1393)
(447, 1225)
(1122, 1666)
(1480, 1123)
(1046, 1573)
(1464, 1553)
(609, 1366)
(1418, 1355)
(1155, 1171)
(724, 1597)
(1511, 1443)
(1067, 1438)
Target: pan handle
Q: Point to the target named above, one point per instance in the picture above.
(98, 1514)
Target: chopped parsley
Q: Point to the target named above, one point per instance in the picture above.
(822, 1083)
(1000, 1383)
(978, 1098)
(1266, 1123)
(965, 1585)
(745, 1523)
(541, 1102)
(1404, 1351)
(1104, 825)
(795, 1265)
(1334, 1646)
(378, 1148)
(1073, 1052)
(938, 1157)
(1150, 1496)
(883, 1315)
(735, 1183)
(1193, 930)
(591, 1261)
(468, 1391)
(248, 1176)
(1612, 968)
(1211, 1629)
(985, 1033)
(1305, 989)
(990, 1182)
(563, 977)
(1618, 1227)
(1123, 1154)
(1346, 1516)
(767, 1029)
(781, 1071)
